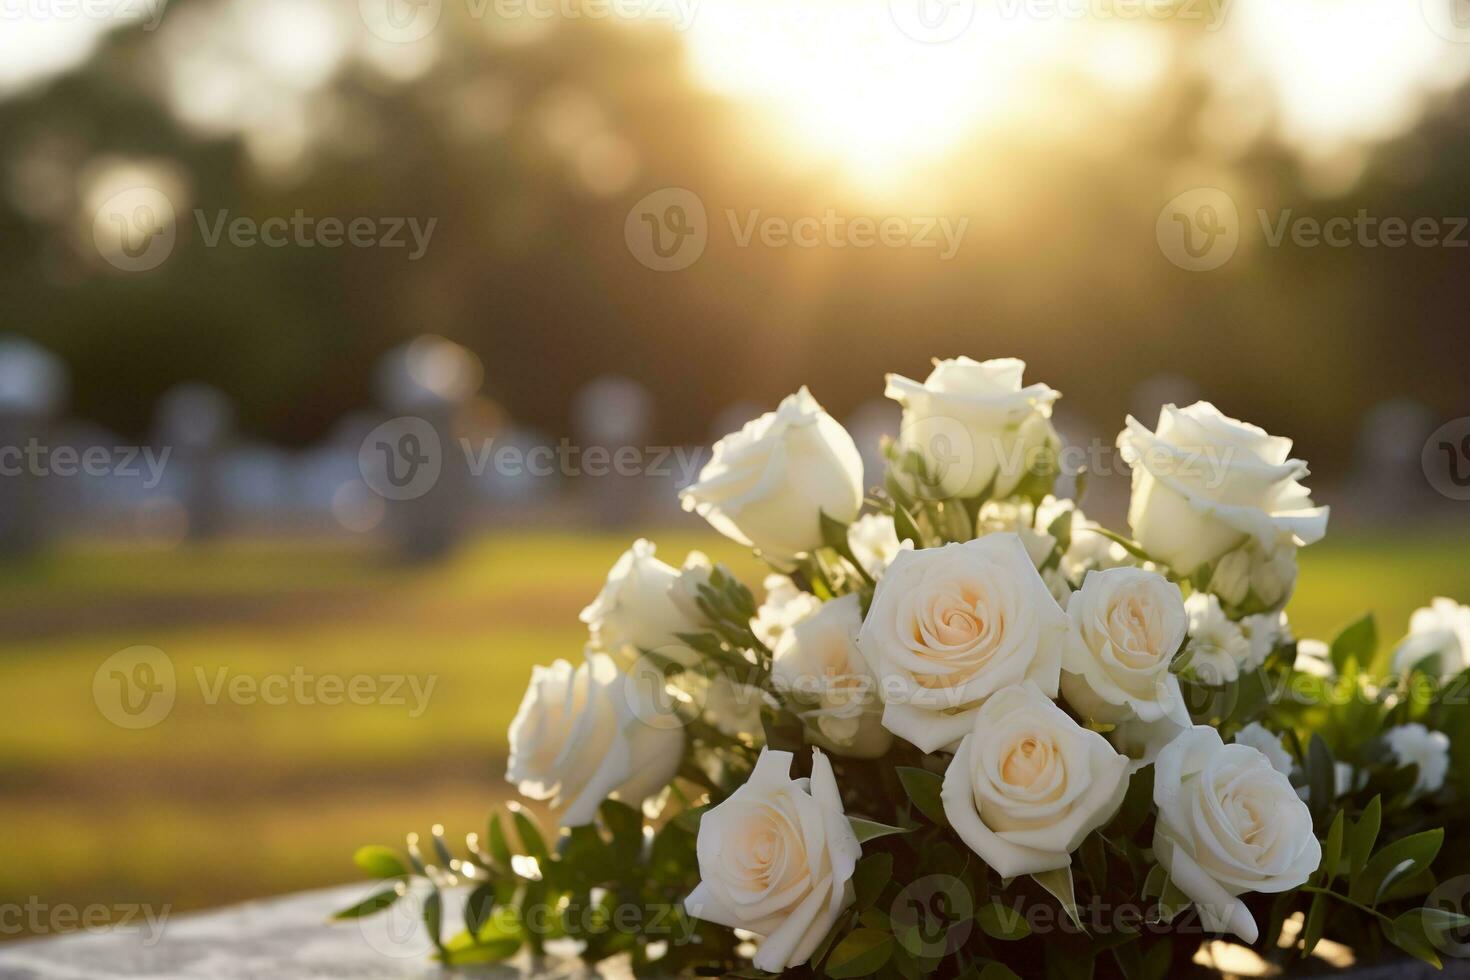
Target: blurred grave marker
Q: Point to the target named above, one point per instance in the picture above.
(194, 421)
(33, 390)
(609, 414)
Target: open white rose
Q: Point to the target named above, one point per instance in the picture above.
(1127, 624)
(1218, 648)
(784, 606)
(776, 859)
(1028, 783)
(950, 626)
(586, 734)
(1438, 640)
(767, 485)
(643, 605)
(818, 665)
(1263, 632)
(1203, 483)
(1413, 744)
(972, 422)
(1228, 823)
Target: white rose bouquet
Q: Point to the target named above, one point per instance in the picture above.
(968, 732)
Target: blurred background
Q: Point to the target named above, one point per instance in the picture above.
(352, 340)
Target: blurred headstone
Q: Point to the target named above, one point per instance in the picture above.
(193, 423)
(33, 391)
(414, 460)
(612, 416)
(1387, 479)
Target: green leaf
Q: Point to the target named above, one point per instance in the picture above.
(372, 905)
(867, 830)
(1359, 641)
(1363, 836)
(870, 877)
(434, 919)
(1067, 963)
(1332, 850)
(380, 861)
(1316, 922)
(529, 831)
(998, 971)
(1321, 779)
(1399, 861)
(923, 789)
(1095, 861)
(1058, 884)
(1410, 932)
(864, 951)
(905, 527)
(478, 906)
(624, 823)
(1002, 922)
(495, 840)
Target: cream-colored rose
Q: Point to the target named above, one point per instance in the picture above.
(1204, 483)
(767, 485)
(972, 423)
(1252, 577)
(818, 667)
(1228, 823)
(950, 626)
(586, 734)
(1028, 783)
(642, 606)
(784, 606)
(1438, 640)
(1218, 648)
(1142, 741)
(1127, 625)
(874, 542)
(776, 859)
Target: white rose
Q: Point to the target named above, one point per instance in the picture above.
(973, 423)
(767, 485)
(1252, 573)
(1228, 823)
(1204, 483)
(1028, 783)
(874, 542)
(642, 605)
(731, 706)
(586, 734)
(1440, 630)
(1268, 743)
(817, 663)
(1314, 657)
(785, 605)
(776, 859)
(1218, 647)
(1127, 625)
(1413, 744)
(950, 626)
(1021, 520)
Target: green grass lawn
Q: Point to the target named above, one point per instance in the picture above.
(225, 800)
